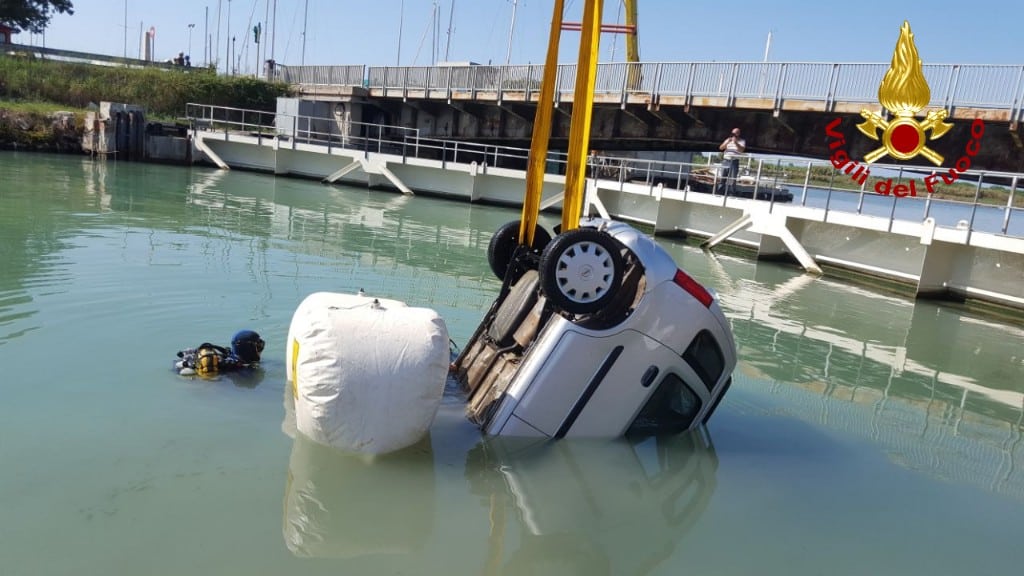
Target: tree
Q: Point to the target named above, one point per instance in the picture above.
(32, 15)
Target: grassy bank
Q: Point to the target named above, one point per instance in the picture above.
(162, 92)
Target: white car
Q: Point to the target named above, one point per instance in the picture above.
(596, 333)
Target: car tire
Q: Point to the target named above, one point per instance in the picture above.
(581, 270)
(503, 245)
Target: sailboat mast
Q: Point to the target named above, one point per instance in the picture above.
(401, 21)
(448, 42)
(511, 31)
(433, 34)
(305, 21)
(273, 31)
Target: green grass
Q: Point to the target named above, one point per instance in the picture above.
(163, 93)
(37, 108)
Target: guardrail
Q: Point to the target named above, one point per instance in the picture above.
(85, 57)
(952, 85)
(767, 173)
(362, 136)
(320, 75)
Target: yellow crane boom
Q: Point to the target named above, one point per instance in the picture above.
(632, 38)
(579, 131)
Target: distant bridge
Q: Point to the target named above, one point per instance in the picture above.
(82, 57)
(782, 106)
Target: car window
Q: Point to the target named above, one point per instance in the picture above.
(705, 357)
(671, 408)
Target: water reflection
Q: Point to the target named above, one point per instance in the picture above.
(339, 505)
(941, 389)
(591, 507)
(348, 224)
(569, 507)
(95, 177)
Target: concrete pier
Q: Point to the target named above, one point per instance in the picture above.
(957, 263)
(115, 129)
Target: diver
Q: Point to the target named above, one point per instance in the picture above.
(209, 360)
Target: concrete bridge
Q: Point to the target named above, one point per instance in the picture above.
(783, 107)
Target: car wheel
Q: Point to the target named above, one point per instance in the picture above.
(581, 270)
(503, 245)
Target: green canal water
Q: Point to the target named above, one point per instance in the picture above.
(865, 433)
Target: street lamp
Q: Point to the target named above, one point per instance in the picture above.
(190, 27)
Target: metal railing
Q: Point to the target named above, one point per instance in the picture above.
(952, 85)
(319, 75)
(86, 57)
(773, 179)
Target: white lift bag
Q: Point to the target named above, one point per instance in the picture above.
(367, 374)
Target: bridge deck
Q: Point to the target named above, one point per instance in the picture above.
(993, 92)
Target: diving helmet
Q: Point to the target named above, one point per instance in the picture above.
(247, 345)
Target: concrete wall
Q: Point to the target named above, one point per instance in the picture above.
(967, 271)
(170, 149)
(307, 119)
(115, 128)
(892, 253)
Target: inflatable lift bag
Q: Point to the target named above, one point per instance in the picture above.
(367, 374)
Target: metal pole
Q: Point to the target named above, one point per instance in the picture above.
(448, 42)
(927, 206)
(892, 213)
(974, 209)
(273, 31)
(860, 199)
(206, 37)
(511, 30)
(807, 178)
(757, 178)
(401, 22)
(1009, 205)
(828, 199)
(125, 28)
(266, 18)
(433, 37)
(189, 53)
(227, 42)
(305, 20)
(216, 45)
(775, 184)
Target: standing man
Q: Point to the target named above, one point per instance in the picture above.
(733, 146)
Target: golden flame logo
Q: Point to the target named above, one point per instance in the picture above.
(904, 92)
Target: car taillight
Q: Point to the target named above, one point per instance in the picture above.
(693, 288)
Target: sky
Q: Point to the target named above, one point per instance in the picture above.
(342, 32)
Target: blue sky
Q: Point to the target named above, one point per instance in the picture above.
(367, 32)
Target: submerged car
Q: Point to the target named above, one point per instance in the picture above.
(595, 333)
